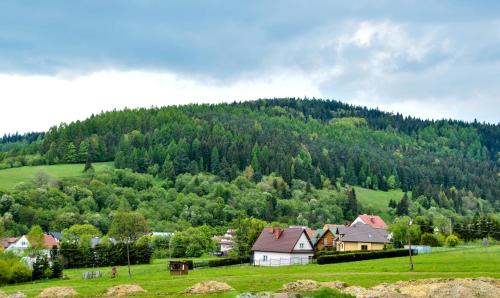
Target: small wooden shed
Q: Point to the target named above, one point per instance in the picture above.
(178, 268)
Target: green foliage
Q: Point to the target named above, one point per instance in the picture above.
(330, 293)
(228, 261)
(36, 237)
(402, 231)
(192, 242)
(429, 239)
(12, 270)
(128, 226)
(361, 255)
(452, 241)
(247, 232)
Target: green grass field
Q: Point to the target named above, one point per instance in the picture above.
(378, 200)
(469, 262)
(10, 177)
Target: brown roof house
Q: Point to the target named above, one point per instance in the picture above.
(324, 239)
(360, 236)
(282, 246)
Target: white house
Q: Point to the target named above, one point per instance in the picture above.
(277, 247)
(23, 243)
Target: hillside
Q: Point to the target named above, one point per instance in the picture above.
(287, 161)
(10, 177)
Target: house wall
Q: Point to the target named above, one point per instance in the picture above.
(350, 246)
(358, 220)
(328, 235)
(306, 244)
(266, 258)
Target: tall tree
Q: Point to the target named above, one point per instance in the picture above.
(127, 227)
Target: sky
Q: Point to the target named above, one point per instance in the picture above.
(62, 61)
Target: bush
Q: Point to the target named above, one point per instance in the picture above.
(452, 241)
(362, 255)
(228, 261)
(330, 293)
(429, 239)
(12, 270)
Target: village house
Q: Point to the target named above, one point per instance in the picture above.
(359, 236)
(374, 221)
(282, 246)
(22, 243)
(324, 239)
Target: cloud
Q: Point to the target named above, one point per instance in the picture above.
(61, 61)
(37, 102)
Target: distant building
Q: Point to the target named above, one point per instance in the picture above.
(23, 243)
(162, 234)
(226, 242)
(278, 246)
(374, 221)
(360, 236)
(8, 241)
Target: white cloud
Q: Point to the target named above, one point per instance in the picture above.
(35, 103)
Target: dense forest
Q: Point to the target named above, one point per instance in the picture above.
(285, 160)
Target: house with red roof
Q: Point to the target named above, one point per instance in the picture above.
(22, 243)
(373, 220)
(282, 246)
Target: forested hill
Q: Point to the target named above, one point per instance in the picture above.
(317, 141)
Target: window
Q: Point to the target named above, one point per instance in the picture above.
(264, 258)
(325, 241)
(364, 247)
(301, 245)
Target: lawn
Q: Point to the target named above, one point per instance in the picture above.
(378, 199)
(10, 177)
(469, 262)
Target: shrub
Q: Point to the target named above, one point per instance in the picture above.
(362, 255)
(12, 270)
(429, 239)
(228, 261)
(452, 241)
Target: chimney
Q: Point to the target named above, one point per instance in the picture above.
(276, 232)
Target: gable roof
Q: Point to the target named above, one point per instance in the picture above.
(359, 232)
(278, 239)
(49, 241)
(8, 241)
(373, 220)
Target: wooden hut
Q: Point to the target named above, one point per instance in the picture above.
(178, 268)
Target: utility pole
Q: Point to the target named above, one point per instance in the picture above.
(409, 244)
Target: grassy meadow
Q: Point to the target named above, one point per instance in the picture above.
(461, 262)
(378, 200)
(10, 177)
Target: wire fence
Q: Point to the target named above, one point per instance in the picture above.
(284, 261)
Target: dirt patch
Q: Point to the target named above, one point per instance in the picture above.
(17, 295)
(124, 290)
(428, 288)
(339, 285)
(58, 292)
(210, 286)
(300, 286)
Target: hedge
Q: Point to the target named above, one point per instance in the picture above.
(75, 256)
(228, 261)
(362, 255)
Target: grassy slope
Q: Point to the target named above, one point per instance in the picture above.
(471, 262)
(10, 177)
(378, 199)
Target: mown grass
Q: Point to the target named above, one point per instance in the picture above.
(10, 177)
(471, 262)
(378, 200)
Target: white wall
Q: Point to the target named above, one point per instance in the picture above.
(280, 259)
(306, 245)
(358, 220)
